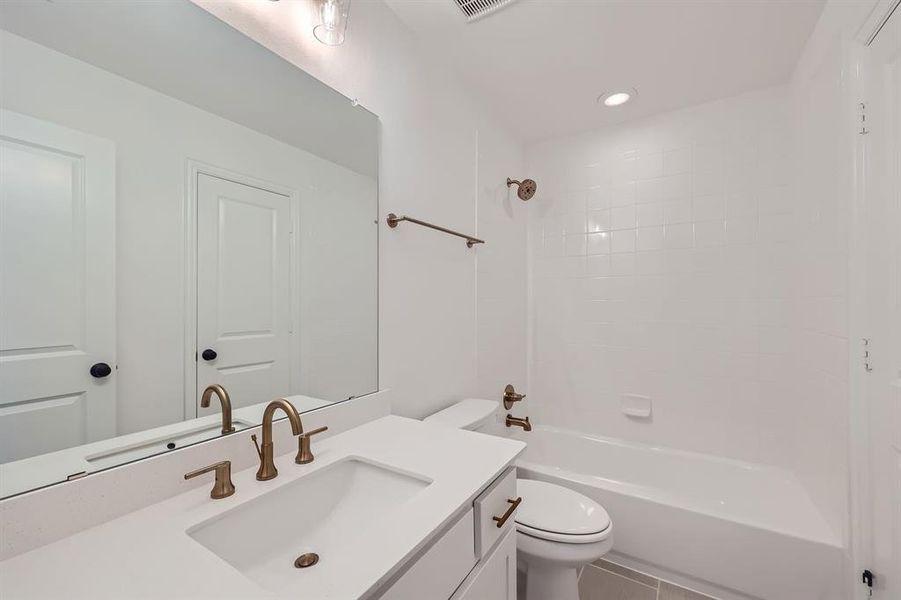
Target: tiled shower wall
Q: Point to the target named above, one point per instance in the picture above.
(664, 258)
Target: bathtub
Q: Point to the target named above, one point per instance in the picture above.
(733, 529)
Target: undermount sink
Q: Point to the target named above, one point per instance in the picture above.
(134, 451)
(326, 513)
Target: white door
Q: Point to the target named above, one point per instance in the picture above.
(243, 291)
(57, 287)
(882, 223)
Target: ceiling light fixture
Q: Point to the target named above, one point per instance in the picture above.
(331, 16)
(617, 98)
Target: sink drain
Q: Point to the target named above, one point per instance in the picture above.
(306, 560)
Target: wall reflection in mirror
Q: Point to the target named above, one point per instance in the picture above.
(179, 208)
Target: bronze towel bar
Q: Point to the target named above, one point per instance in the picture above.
(393, 220)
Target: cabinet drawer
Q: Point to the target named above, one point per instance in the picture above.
(496, 501)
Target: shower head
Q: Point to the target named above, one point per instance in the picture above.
(527, 188)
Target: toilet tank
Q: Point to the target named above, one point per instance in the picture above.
(472, 413)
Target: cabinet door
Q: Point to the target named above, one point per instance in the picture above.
(438, 572)
(495, 578)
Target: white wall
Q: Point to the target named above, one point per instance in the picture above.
(691, 258)
(814, 426)
(442, 160)
(659, 248)
(154, 136)
(501, 278)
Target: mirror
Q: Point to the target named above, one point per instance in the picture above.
(179, 208)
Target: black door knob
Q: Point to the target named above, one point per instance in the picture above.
(209, 354)
(100, 370)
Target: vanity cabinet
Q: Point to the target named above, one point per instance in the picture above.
(495, 577)
(475, 559)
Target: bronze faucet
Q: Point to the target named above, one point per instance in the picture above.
(224, 400)
(267, 468)
(524, 423)
(223, 487)
(304, 450)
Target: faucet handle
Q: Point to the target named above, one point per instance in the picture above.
(510, 396)
(223, 487)
(304, 450)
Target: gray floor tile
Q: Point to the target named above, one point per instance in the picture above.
(626, 572)
(598, 584)
(669, 591)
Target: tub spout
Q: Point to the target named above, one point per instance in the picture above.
(524, 423)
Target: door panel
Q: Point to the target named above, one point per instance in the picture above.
(57, 287)
(243, 290)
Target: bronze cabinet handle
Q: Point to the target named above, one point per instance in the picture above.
(514, 504)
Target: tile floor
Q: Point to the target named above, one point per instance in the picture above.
(605, 580)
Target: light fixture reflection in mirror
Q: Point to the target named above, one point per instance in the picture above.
(331, 16)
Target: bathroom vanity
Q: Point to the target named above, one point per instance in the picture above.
(395, 508)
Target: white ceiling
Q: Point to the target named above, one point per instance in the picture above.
(539, 65)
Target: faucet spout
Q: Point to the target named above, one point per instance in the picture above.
(224, 400)
(524, 423)
(267, 468)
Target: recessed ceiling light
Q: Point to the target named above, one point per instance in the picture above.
(617, 98)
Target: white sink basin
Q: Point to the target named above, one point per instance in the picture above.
(326, 512)
(145, 448)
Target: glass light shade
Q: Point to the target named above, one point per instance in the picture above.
(331, 16)
(617, 98)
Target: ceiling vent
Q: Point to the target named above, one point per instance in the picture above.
(476, 9)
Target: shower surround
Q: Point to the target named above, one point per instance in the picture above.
(682, 258)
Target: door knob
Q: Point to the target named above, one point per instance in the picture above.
(209, 354)
(100, 370)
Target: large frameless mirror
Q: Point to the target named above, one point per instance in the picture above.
(179, 209)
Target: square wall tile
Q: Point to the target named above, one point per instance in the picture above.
(710, 233)
(598, 220)
(598, 243)
(676, 161)
(709, 208)
(650, 215)
(650, 238)
(623, 241)
(677, 211)
(575, 244)
(679, 236)
(623, 217)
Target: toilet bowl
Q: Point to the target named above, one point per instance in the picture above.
(558, 530)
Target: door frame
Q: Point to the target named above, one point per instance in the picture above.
(878, 38)
(193, 170)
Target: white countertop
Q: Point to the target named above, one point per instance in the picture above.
(148, 554)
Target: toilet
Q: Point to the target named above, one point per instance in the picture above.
(558, 530)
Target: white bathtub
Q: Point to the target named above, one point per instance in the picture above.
(731, 528)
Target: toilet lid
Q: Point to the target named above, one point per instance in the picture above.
(559, 511)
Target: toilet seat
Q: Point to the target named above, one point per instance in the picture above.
(558, 514)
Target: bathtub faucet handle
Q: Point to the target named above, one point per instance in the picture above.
(510, 396)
